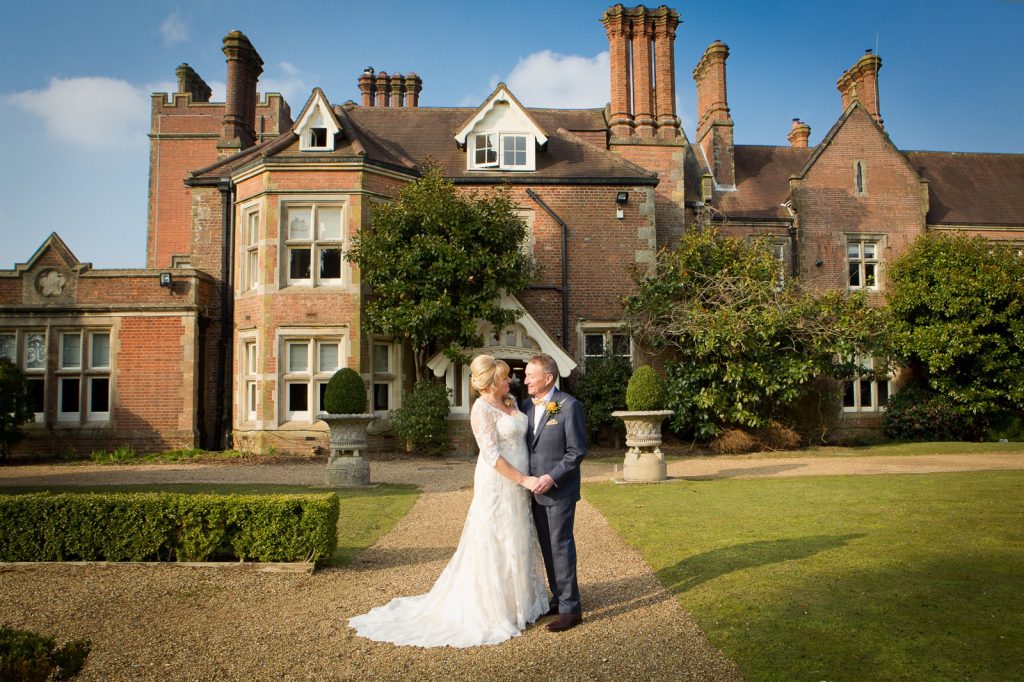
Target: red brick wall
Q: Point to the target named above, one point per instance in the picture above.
(665, 159)
(828, 207)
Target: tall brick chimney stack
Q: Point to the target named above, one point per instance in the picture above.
(642, 64)
(367, 86)
(396, 90)
(860, 82)
(714, 123)
(189, 82)
(383, 89)
(238, 129)
(799, 134)
(413, 87)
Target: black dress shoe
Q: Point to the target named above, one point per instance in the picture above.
(552, 609)
(564, 621)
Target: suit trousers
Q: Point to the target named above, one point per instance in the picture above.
(558, 547)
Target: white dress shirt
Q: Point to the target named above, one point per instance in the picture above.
(540, 412)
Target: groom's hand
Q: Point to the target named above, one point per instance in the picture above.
(544, 484)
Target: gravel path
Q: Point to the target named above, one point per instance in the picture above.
(167, 622)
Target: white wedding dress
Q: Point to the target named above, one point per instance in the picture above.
(494, 584)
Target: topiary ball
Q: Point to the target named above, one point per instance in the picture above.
(345, 393)
(645, 390)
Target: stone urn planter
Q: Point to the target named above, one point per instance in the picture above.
(644, 461)
(347, 467)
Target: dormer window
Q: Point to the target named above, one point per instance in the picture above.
(501, 135)
(505, 151)
(318, 137)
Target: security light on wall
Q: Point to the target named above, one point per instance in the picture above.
(620, 200)
(165, 279)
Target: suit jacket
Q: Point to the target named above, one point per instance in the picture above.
(557, 447)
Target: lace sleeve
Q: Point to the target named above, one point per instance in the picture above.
(484, 421)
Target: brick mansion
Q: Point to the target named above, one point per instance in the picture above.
(247, 305)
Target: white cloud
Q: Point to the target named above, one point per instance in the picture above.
(91, 113)
(174, 30)
(550, 79)
(290, 81)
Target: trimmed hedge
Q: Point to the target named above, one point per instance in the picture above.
(31, 657)
(167, 527)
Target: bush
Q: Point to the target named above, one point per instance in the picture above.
(1008, 426)
(119, 455)
(167, 527)
(733, 442)
(14, 406)
(346, 393)
(919, 414)
(645, 391)
(776, 436)
(422, 420)
(602, 390)
(31, 657)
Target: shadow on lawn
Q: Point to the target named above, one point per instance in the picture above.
(750, 472)
(700, 568)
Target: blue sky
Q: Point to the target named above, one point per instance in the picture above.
(75, 80)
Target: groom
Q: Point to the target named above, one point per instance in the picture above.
(556, 435)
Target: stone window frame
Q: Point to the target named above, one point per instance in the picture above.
(878, 391)
(314, 377)
(389, 378)
(860, 177)
(608, 332)
(87, 372)
(864, 264)
(315, 243)
(18, 354)
(249, 272)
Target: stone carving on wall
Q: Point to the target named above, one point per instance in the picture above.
(50, 283)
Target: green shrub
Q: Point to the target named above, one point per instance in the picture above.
(31, 657)
(167, 527)
(422, 420)
(346, 393)
(645, 391)
(602, 390)
(1007, 426)
(14, 406)
(919, 414)
(119, 455)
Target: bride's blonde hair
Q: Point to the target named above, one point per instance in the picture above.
(486, 371)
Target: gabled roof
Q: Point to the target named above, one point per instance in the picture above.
(501, 94)
(972, 189)
(762, 182)
(54, 244)
(317, 105)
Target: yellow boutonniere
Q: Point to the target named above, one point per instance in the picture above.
(553, 408)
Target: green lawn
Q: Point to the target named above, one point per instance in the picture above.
(842, 578)
(366, 515)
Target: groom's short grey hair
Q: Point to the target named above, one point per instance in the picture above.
(546, 363)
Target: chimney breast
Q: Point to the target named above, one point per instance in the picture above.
(714, 123)
(238, 129)
(860, 83)
(799, 134)
(189, 82)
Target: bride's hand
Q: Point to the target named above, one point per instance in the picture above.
(528, 482)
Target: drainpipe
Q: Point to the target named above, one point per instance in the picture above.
(564, 289)
(223, 414)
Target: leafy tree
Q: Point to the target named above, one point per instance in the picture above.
(957, 305)
(15, 409)
(741, 346)
(436, 261)
(602, 390)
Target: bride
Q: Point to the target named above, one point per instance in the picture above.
(493, 586)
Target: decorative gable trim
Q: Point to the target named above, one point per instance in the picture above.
(501, 94)
(317, 126)
(56, 244)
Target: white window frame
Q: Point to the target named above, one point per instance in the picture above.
(864, 263)
(250, 270)
(249, 370)
(315, 243)
(313, 376)
(97, 371)
(498, 141)
(86, 372)
(856, 389)
(779, 251)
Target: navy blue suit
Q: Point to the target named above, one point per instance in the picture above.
(557, 447)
